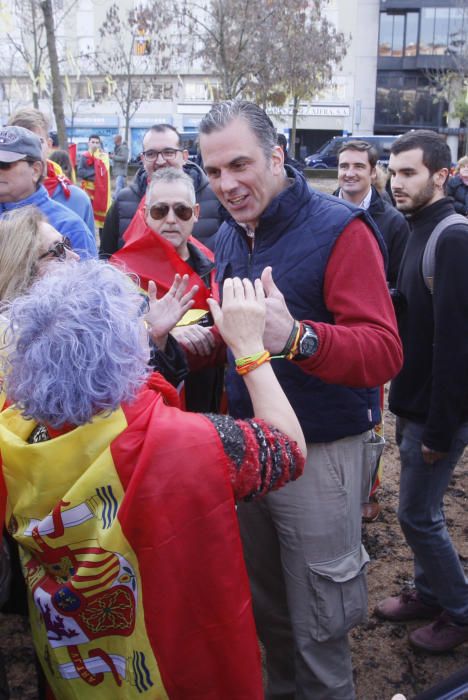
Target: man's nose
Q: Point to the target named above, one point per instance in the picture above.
(228, 181)
(170, 216)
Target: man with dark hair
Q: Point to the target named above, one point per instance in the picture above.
(93, 168)
(430, 395)
(288, 160)
(21, 175)
(357, 161)
(333, 327)
(161, 149)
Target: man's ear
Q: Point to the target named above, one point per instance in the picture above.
(277, 160)
(38, 169)
(196, 211)
(440, 177)
(185, 155)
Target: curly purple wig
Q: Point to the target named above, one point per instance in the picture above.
(76, 344)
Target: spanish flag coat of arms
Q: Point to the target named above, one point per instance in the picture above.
(131, 554)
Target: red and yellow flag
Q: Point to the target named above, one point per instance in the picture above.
(99, 190)
(132, 556)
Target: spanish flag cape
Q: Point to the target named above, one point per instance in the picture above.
(151, 257)
(99, 190)
(132, 556)
(54, 178)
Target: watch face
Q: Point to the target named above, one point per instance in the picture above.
(308, 343)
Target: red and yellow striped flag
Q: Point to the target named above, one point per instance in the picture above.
(132, 556)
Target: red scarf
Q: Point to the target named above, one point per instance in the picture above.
(56, 178)
(151, 257)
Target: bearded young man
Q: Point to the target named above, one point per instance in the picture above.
(430, 395)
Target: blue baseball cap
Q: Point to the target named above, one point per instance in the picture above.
(17, 143)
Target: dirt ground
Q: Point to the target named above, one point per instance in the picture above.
(383, 661)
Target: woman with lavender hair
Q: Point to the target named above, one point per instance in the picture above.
(124, 505)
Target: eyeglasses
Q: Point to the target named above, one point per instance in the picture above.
(166, 153)
(7, 166)
(160, 211)
(58, 250)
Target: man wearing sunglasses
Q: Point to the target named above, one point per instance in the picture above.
(21, 174)
(161, 149)
(171, 214)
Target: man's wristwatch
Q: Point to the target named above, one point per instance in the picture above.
(308, 343)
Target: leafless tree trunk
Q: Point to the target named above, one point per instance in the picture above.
(57, 99)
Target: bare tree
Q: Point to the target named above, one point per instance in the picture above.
(307, 49)
(267, 50)
(30, 42)
(57, 98)
(227, 35)
(131, 55)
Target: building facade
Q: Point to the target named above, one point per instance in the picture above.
(420, 43)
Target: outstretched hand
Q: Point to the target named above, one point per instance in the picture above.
(241, 319)
(278, 322)
(166, 312)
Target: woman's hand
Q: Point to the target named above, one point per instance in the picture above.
(241, 320)
(166, 312)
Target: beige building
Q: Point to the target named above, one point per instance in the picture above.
(180, 93)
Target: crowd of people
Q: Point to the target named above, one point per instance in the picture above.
(189, 425)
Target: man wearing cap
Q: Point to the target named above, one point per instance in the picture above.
(59, 187)
(21, 173)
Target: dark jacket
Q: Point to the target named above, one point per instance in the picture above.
(459, 192)
(432, 387)
(295, 235)
(203, 388)
(120, 160)
(394, 229)
(126, 203)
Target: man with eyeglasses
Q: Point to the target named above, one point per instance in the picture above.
(161, 149)
(166, 247)
(21, 175)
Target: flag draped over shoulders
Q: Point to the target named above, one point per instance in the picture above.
(99, 189)
(54, 178)
(132, 556)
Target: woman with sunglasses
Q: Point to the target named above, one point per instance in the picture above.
(124, 505)
(28, 244)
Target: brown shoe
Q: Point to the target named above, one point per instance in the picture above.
(406, 606)
(370, 511)
(440, 636)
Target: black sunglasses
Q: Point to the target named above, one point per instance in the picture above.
(7, 166)
(58, 250)
(160, 211)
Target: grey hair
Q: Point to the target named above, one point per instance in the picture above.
(222, 113)
(169, 176)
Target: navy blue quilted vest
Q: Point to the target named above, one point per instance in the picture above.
(295, 235)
